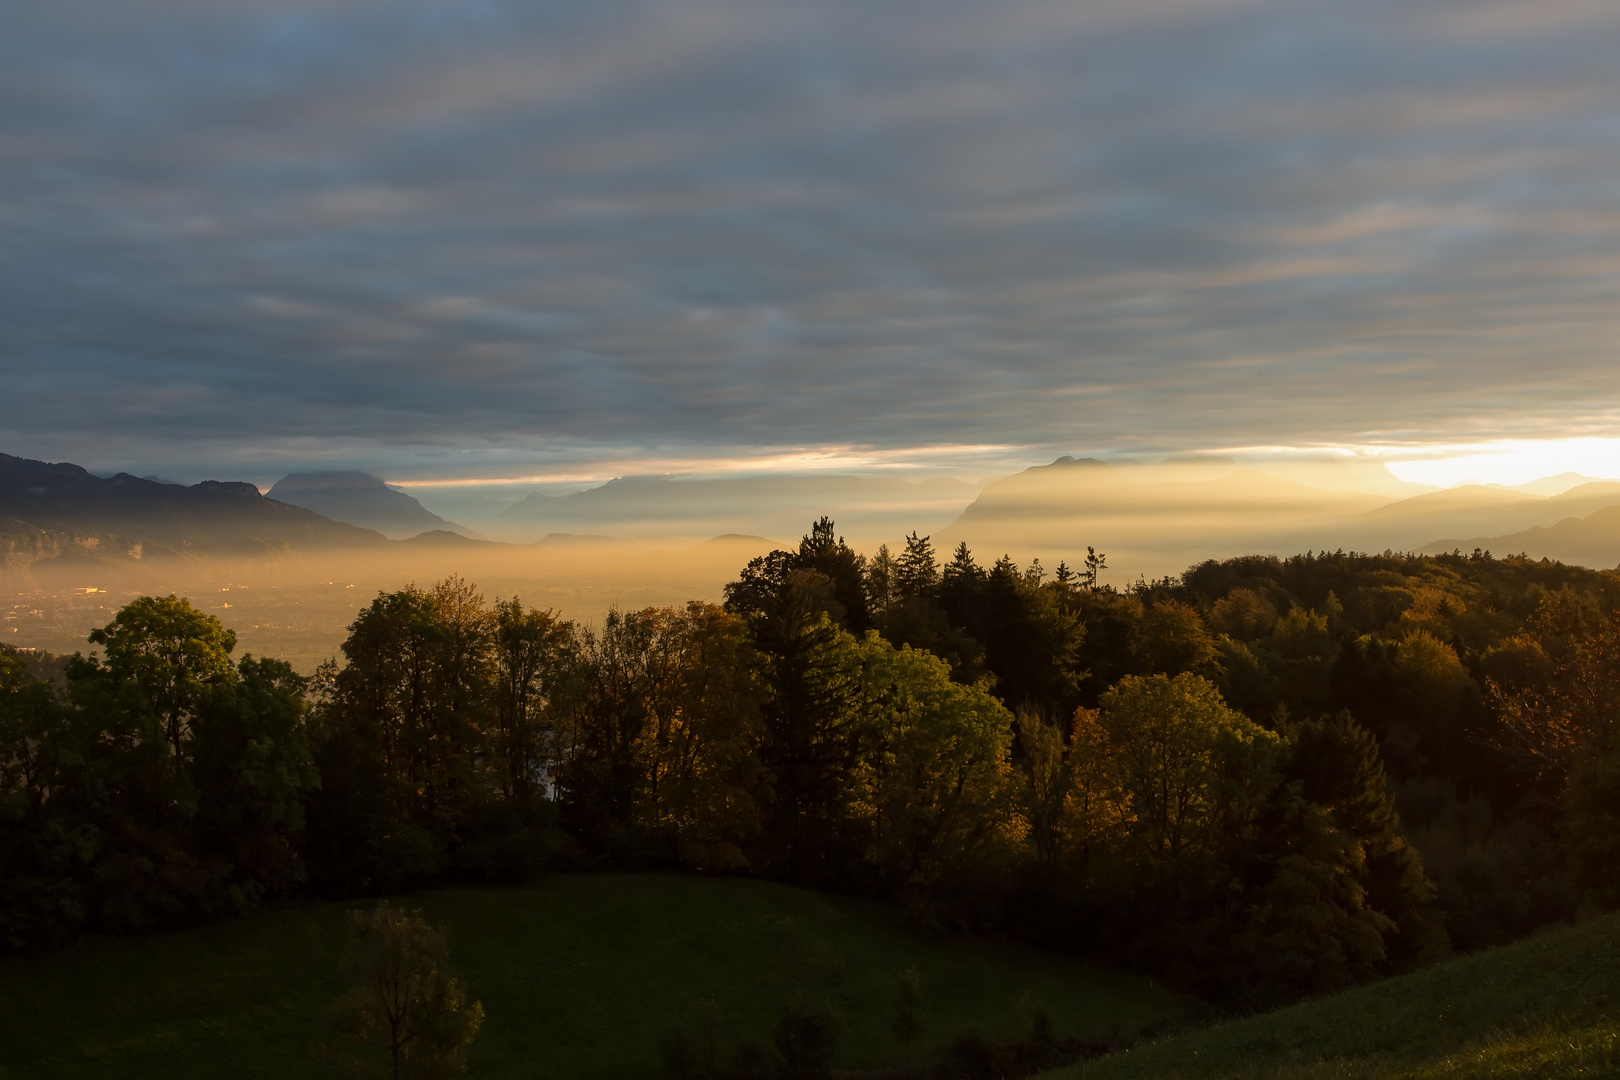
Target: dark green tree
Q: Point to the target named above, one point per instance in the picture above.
(1171, 638)
(1338, 766)
(824, 552)
(1032, 641)
(534, 667)
(167, 788)
(44, 844)
(809, 736)
(166, 658)
(402, 737)
(607, 775)
(1591, 826)
(918, 569)
(251, 767)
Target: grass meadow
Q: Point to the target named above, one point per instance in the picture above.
(1545, 1007)
(581, 975)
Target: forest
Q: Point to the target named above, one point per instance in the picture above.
(1265, 779)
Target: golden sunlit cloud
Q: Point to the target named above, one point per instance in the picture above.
(1500, 461)
(932, 459)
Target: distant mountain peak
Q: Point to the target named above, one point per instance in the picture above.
(360, 499)
(230, 487)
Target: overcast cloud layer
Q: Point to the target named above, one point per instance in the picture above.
(482, 238)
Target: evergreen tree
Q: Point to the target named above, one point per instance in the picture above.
(1338, 766)
(1096, 563)
(962, 587)
(918, 569)
(809, 737)
(1032, 642)
(823, 552)
(606, 774)
(882, 583)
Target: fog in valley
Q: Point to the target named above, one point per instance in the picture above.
(295, 607)
(653, 541)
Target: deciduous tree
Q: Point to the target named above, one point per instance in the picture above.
(404, 1004)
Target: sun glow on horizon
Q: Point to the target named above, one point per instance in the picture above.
(1505, 461)
(923, 460)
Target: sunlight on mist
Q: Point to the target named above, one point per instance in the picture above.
(1512, 461)
(919, 460)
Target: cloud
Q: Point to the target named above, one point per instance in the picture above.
(515, 235)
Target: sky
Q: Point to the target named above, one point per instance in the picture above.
(554, 242)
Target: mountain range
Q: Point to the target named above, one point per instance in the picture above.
(1151, 519)
(61, 510)
(783, 505)
(1158, 519)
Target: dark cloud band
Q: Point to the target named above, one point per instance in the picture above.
(414, 229)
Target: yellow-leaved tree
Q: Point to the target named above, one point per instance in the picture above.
(934, 782)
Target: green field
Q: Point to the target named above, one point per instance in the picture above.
(581, 976)
(1548, 1006)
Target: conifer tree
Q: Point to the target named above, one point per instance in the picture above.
(1340, 769)
(882, 582)
(918, 569)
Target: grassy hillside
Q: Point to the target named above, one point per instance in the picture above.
(1548, 1006)
(581, 976)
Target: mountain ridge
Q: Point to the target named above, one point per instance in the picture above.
(362, 500)
(145, 518)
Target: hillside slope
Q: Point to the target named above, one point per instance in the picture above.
(1548, 1006)
(581, 976)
